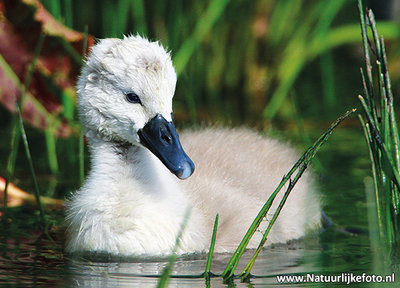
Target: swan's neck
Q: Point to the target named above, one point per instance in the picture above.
(130, 197)
(134, 167)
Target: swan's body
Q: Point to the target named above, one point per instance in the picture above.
(131, 203)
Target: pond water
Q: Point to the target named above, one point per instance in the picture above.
(29, 258)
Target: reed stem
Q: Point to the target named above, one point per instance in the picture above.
(301, 164)
(211, 251)
(382, 135)
(17, 129)
(30, 162)
(164, 278)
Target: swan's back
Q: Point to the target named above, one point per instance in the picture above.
(236, 172)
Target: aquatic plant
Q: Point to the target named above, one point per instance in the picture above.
(382, 135)
(207, 272)
(292, 176)
(165, 275)
(19, 132)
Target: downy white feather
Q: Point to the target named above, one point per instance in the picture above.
(131, 204)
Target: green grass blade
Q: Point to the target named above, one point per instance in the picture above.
(121, 20)
(370, 119)
(387, 160)
(377, 42)
(302, 162)
(306, 161)
(12, 157)
(375, 168)
(51, 150)
(392, 137)
(16, 133)
(31, 69)
(234, 261)
(54, 7)
(70, 50)
(300, 49)
(371, 102)
(30, 162)
(20, 124)
(68, 104)
(211, 251)
(139, 16)
(382, 197)
(109, 22)
(366, 48)
(383, 138)
(395, 138)
(374, 223)
(246, 271)
(214, 11)
(164, 278)
(206, 21)
(68, 110)
(384, 113)
(175, 22)
(388, 166)
(68, 13)
(347, 34)
(283, 10)
(394, 131)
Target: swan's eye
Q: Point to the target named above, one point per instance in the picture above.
(133, 98)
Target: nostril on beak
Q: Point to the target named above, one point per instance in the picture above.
(166, 138)
(165, 135)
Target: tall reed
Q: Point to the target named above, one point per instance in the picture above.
(382, 135)
(18, 132)
(207, 272)
(164, 278)
(296, 172)
(292, 176)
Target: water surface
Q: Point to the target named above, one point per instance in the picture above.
(29, 258)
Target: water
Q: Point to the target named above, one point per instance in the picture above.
(28, 258)
(27, 264)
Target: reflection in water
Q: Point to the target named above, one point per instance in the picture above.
(33, 259)
(273, 261)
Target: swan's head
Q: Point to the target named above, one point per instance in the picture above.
(125, 95)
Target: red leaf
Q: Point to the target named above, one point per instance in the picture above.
(21, 23)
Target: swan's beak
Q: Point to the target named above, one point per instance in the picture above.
(161, 138)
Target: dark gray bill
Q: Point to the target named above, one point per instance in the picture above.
(161, 138)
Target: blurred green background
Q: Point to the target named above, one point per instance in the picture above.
(247, 60)
(286, 65)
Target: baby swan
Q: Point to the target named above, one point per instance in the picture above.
(131, 203)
